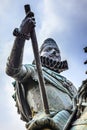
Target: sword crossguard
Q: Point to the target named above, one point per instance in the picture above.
(17, 33)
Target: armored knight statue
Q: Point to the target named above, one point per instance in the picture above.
(60, 91)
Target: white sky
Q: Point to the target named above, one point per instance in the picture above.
(63, 20)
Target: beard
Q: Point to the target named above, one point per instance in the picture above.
(54, 64)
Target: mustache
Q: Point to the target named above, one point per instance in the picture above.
(54, 64)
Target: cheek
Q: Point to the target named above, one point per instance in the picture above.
(44, 54)
(59, 58)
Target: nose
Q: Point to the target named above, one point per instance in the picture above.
(53, 51)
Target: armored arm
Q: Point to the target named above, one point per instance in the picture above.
(14, 65)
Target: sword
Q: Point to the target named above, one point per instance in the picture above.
(38, 63)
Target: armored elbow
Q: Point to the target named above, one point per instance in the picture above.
(11, 71)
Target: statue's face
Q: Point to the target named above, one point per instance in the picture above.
(51, 52)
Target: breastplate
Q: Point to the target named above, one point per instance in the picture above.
(57, 100)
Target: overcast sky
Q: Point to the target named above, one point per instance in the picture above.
(63, 20)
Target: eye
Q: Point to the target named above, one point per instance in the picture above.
(48, 49)
(57, 50)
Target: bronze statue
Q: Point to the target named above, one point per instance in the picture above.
(41, 109)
